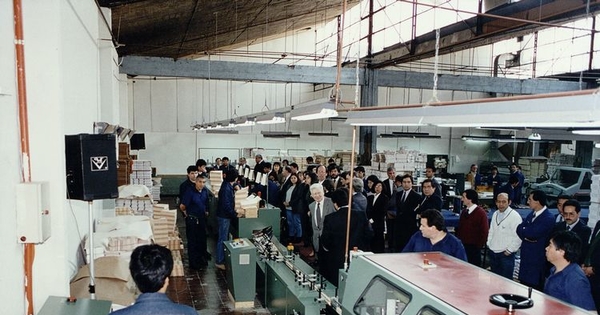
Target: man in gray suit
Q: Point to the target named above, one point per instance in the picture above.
(324, 205)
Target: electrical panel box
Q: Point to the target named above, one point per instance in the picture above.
(33, 212)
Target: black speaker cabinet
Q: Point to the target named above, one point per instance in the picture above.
(91, 166)
(137, 141)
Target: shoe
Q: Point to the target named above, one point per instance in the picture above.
(220, 266)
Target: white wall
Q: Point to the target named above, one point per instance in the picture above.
(66, 92)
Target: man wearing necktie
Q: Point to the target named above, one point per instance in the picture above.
(472, 227)
(325, 207)
(570, 212)
(535, 233)
(406, 202)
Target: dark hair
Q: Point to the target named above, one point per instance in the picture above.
(332, 167)
(472, 195)
(398, 178)
(192, 168)
(340, 197)
(294, 165)
(294, 175)
(434, 218)
(328, 185)
(375, 184)
(201, 162)
(573, 203)
(309, 159)
(494, 167)
(344, 174)
(285, 161)
(566, 197)
(569, 242)
(330, 161)
(407, 176)
(430, 167)
(288, 169)
(225, 158)
(268, 165)
(513, 179)
(373, 178)
(539, 196)
(231, 175)
(150, 266)
(427, 180)
(313, 177)
(310, 168)
(258, 156)
(359, 169)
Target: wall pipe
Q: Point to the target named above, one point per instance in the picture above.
(29, 249)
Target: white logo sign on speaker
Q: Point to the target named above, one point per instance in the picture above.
(99, 163)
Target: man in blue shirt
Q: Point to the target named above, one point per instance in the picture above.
(195, 210)
(433, 237)
(567, 282)
(150, 267)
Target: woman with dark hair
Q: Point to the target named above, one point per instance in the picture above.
(376, 211)
(371, 179)
(294, 204)
(328, 187)
(307, 232)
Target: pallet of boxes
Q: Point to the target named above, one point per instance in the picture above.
(165, 233)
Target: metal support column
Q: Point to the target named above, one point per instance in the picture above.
(368, 134)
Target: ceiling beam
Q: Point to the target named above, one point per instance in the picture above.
(464, 34)
(247, 71)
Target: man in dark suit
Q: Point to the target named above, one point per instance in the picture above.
(319, 209)
(406, 202)
(509, 189)
(359, 201)
(429, 200)
(333, 239)
(389, 185)
(571, 211)
(259, 166)
(225, 165)
(591, 264)
(535, 232)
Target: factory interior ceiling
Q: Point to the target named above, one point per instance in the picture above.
(188, 29)
(180, 30)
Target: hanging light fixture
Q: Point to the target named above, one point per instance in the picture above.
(317, 109)
(277, 118)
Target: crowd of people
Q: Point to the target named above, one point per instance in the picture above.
(558, 254)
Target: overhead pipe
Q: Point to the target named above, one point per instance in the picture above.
(29, 249)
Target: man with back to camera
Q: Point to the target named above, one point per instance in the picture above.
(472, 227)
(434, 237)
(150, 267)
(333, 239)
(571, 212)
(510, 189)
(225, 213)
(535, 231)
(567, 282)
(503, 241)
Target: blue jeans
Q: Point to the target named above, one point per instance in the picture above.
(223, 236)
(501, 264)
(294, 221)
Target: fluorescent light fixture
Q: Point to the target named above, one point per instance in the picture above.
(414, 135)
(597, 145)
(223, 131)
(387, 117)
(590, 132)
(534, 136)
(317, 109)
(232, 123)
(498, 138)
(277, 118)
(249, 121)
(279, 134)
(564, 109)
(323, 134)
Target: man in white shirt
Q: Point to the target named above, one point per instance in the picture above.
(503, 241)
